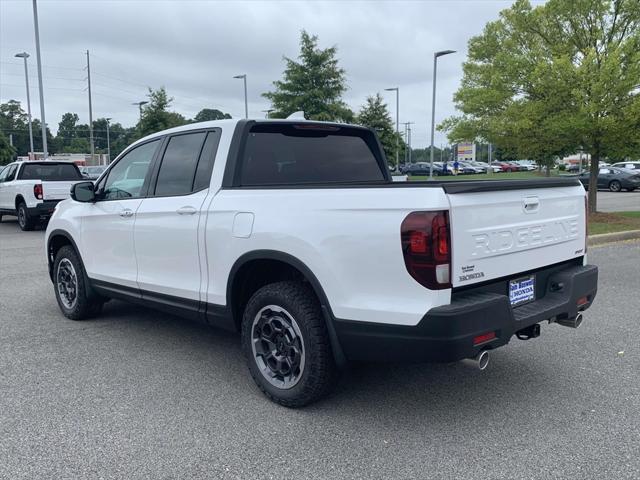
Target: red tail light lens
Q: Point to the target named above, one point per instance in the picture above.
(426, 246)
(37, 191)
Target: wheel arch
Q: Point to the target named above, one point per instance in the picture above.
(18, 200)
(57, 239)
(291, 268)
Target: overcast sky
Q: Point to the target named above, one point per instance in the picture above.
(194, 48)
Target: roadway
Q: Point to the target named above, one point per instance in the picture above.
(141, 394)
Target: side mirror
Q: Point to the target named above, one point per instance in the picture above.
(83, 192)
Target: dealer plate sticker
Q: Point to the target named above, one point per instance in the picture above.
(522, 290)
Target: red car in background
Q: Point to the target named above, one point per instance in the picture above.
(506, 167)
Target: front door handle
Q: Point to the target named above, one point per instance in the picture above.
(186, 210)
(126, 213)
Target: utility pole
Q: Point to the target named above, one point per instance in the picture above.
(433, 103)
(409, 140)
(108, 143)
(91, 141)
(24, 56)
(397, 90)
(406, 135)
(140, 104)
(45, 153)
(246, 103)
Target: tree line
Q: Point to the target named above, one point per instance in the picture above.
(73, 137)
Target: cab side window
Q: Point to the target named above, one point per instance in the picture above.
(10, 173)
(126, 178)
(4, 172)
(187, 163)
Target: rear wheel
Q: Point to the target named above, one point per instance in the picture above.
(72, 293)
(615, 186)
(24, 221)
(286, 344)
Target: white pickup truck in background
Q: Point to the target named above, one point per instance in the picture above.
(292, 233)
(30, 190)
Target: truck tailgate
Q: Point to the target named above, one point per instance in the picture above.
(503, 232)
(57, 190)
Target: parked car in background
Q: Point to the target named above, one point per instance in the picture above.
(92, 172)
(486, 168)
(264, 228)
(634, 166)
(506, 166)
(422, 169)
(529, 165)
(615, 179)
(31, 190)
(470, 168)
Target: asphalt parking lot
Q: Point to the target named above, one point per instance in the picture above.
(141, 394)
(618, 202)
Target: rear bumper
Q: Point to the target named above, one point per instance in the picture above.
(43, 210)
(446, 333)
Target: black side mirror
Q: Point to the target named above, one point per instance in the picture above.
(83, 192)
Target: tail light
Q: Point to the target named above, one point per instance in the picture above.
(38, 191)
(426, 246)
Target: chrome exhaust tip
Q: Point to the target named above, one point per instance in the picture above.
(480, 361)
(574, 322)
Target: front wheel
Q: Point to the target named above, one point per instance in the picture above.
(71, 291)
(286, 344)
(615, 186)
(24, 221)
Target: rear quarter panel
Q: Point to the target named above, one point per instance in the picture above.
(349, 238)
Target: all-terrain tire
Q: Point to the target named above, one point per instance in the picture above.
(86, 304)
(25, 222)
(302, 308)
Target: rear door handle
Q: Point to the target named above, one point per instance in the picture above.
(186, 210)
(126, 213)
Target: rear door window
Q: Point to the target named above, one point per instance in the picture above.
(298, 154)
(55, 172)
(179, 163)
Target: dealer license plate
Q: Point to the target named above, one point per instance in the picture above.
(522, 290)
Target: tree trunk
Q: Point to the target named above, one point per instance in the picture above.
(593, 178)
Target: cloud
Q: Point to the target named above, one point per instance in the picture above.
(194, 48)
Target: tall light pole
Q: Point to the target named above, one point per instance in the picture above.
(246, 105)
(25, 55)
(397, 90)
(91, 140)
(42, 120)
(140, 104)
(433, 104)
(108, 142)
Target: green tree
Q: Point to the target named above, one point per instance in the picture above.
(208, 114)
(67, 131)
(156, 115)
(550, 80)
(314, 84)
(7, 151)
(14, 122)
(375, 114)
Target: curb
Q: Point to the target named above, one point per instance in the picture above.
(613, 237)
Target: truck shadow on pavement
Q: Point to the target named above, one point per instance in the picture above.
(515, 377)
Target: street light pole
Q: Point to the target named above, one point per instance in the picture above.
(25, 55)
(433, 104)
(91, 140)
(246, 104)
(267, 112)
(140, 104)
(45, 153)
(108, 142)
(397, 90)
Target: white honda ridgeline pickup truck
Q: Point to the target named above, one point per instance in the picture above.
(292, 232)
